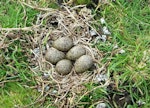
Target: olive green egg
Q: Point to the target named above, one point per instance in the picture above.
(63, 43)
(75, 52)
(53, 55)
(64, 67)
(83, 64)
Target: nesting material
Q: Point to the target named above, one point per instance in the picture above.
(53, 55)
(84, 63)
(75, 52)
(63, 43)
(64, 67)
(71, 25)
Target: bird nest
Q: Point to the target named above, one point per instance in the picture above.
(77, 23)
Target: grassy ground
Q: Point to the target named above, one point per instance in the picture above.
(129, 24)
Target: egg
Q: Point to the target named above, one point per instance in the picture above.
(63, 43)
(53, 55)
(75, 52)
(84, 63)
(64, 67)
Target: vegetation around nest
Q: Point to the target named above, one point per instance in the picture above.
(115, 34)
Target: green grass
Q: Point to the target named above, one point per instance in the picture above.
(14, 74)
(14, 71)
(13, 94)
(129, 24)
(12, 14)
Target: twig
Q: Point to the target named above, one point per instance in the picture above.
(20, 29)
(37, 8)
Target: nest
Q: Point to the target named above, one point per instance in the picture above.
(77, 23)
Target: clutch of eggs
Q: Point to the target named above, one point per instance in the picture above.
(63, 55)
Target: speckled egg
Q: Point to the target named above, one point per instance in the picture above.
(63, 43)
(53, 55)
(75, 52)
(84, 63)
(64, 67)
